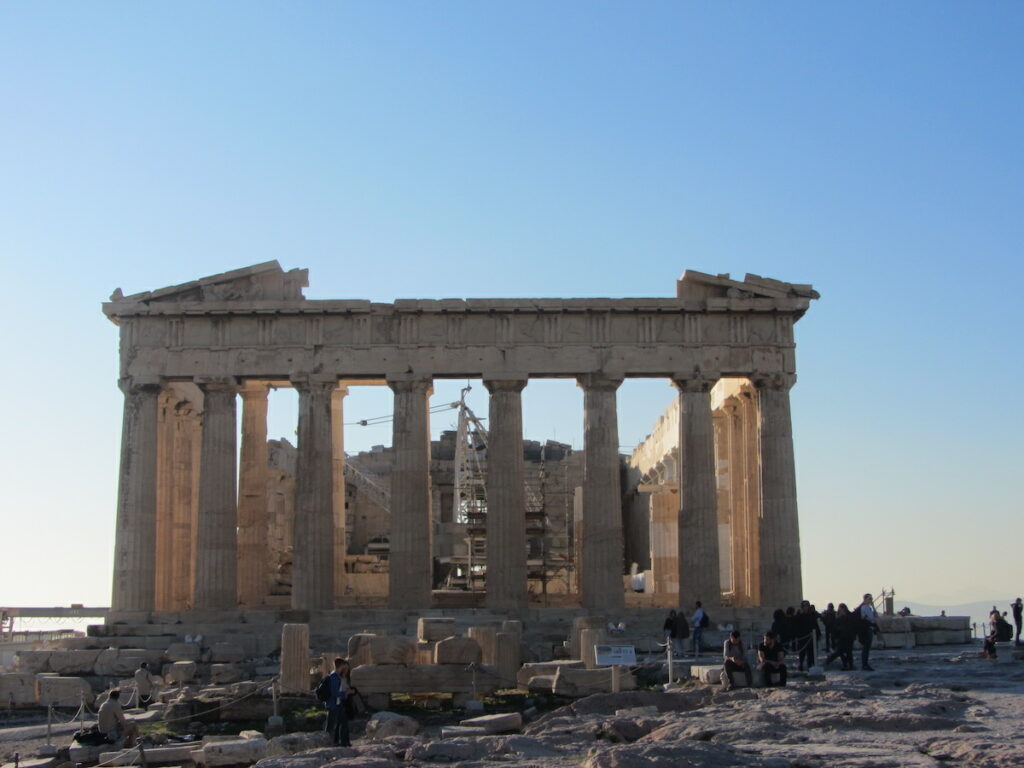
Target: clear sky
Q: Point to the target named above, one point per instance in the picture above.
(461, 149)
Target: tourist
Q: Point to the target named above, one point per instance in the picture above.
(868, 626)
(699, 621)
(676, 630)
(145, 681)
(770, 655)
(828, 618)
(988, 649)
(844, 632)
(1018, 617)
(337, 712)
(734, 656)
(780, 625)
(806, 630)
(112, 723)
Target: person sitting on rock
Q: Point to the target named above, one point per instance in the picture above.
(844, 632)
(112, 723)
(735, 659)
(770, 656)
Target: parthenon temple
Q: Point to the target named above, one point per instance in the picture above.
(213, 516)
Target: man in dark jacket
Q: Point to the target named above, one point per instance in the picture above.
(844, 632)
(828, 619)
(806, 633)
(337, 714)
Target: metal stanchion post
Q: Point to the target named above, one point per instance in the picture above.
(668, 650)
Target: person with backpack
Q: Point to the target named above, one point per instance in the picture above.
(333, 691)
(700, 620)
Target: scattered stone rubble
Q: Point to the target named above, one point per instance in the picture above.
(923, 708)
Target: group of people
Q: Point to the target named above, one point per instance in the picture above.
(676, 629)
(799, 631)
(999, 629)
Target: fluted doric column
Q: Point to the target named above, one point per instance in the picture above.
(739, 539)
(216, 538)
(253, 561)
(338, 489)
(601, 551)
(698, 509)
(187, 447)
(135, 532)
(781, 582)
(411, 560)
(313, 559)
(506, 497)
(178, 429)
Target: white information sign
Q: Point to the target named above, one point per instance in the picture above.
(609, 655)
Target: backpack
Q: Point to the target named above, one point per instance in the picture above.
(323, 690)
(705, 621)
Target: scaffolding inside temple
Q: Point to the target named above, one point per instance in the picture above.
(548, 544)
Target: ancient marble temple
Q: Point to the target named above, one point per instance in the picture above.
(191, 529)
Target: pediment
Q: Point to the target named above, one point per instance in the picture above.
(266, 281)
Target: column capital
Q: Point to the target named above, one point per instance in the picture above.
(505, 385)
(217, 384)
(254, 389)
(775, 381)
(599, 381)
(694, 382)
(410, 384)
(305, 382)
(133, 385)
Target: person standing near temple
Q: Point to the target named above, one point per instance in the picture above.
(699, 621)
(807, 632)
(828, 619)
(337, 712)
(868, 626)
(1018, 615)
(145, 682)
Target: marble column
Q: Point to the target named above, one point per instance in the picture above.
(601, 552)
(174, 532)
(338, 490)
(752, 492)
(313, 559)
(216, 546)
(506, 497)
(165, 479)
(135, 532)
(740, 531)
(781, 582)
(664, 527)
(253, 563)
(185, 501)
(698, 514)
(410, 562)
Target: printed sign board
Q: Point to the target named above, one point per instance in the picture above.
(609, 655)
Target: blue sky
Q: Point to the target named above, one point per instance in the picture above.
(457, 149)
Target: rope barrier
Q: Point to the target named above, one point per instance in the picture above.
(140, 745)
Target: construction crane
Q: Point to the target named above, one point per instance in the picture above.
(470, 493)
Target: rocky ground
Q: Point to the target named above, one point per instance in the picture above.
(942, 707)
